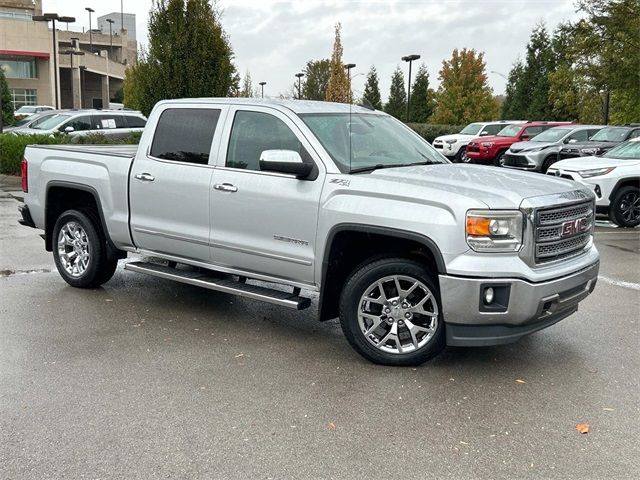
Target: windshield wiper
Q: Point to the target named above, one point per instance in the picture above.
(380, 166)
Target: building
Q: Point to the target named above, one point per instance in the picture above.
(90, 65)
(118, 17)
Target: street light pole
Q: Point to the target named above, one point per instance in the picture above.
(121, 16)
(348, 67)
(410, 59)
(52, 17)
(90, 10)
(262, 84)
(299, 75)
(110, 22)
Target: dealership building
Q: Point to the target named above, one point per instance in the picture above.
(90, 65)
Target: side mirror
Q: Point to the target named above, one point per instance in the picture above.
(284, 161)
(571, 140)
(524, 136)
(69, 129)
(484, 134)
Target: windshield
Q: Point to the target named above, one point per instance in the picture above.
(39, 120)
(51, 122)
(627, 150)
(377, 141)
(471, 129)
(510, 131)
(26, 109)
(611, 135)
(552, 135)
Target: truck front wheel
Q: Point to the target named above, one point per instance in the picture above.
(79, 250)
(390, 312)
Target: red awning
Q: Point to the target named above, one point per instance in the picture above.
(21, 53)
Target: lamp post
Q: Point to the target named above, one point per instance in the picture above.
(348, 67)
(121, 15)
(90, 10)
(110, 22)
(262, 84)
(299, 75)
(409, 58)
(52, 17)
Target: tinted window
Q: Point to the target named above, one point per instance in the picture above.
(634, 134)
(108, 121)
(134, 121)
(492, 129)
(533, 131)
(185, 134)
(254, 132)
(579, 136)
(78, 123)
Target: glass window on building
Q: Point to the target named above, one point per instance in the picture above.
(26, 16)
(19, 67)
(23, 96)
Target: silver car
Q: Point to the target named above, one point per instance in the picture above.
(113, 124)
(539, 153)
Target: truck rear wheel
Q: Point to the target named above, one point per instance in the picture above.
(79, 250)
(390, 312)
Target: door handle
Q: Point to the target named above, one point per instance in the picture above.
(145, 177)
(225, 187)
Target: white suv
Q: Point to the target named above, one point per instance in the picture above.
(614, 177)
(454, 146)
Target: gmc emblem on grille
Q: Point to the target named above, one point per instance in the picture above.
(574, 227)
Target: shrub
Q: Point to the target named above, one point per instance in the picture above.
(12, 146)
(430, 131)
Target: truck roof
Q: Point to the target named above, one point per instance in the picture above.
(296, 106)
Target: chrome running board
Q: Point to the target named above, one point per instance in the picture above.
(206, 280)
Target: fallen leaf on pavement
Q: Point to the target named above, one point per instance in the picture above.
(608, 409)
(520, 381)
(332, 425)
(582, 427)
(240, 355)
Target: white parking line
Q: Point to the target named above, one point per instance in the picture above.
(619, 283)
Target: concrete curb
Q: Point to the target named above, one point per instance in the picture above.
(10, 183)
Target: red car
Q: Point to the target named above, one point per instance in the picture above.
(491, 149)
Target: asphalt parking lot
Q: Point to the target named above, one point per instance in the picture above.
(145, 378)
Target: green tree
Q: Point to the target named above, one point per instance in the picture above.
(464, 95)
(372, 89)
(397, 102)
(5, 96)
(338, 86)
(316, 79)
(189, 55)
(247, 86)
(514, 106)
(422, 97)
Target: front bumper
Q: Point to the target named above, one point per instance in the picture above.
(524, 161)
(528, 306)
(447, 149)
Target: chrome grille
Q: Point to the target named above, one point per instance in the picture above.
(555, 239)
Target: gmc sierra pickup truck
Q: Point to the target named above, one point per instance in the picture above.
(265, 198)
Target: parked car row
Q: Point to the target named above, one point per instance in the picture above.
(111, 123)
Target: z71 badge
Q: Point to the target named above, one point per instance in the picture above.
(343, 182)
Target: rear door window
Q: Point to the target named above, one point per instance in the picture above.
(108, 121)
(185, 134)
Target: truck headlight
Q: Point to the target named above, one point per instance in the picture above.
(596, 172)
(494, 231)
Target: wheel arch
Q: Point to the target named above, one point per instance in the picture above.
(347, 245)
(624, 182)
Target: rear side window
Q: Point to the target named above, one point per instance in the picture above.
(134, 121)
(185, 134)
(106, 121)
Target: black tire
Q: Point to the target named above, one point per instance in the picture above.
(99, 269)
(461, 156)
(624, 210)
(497, 162)
(355, 287)
(550, 160)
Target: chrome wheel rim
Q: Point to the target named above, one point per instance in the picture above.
(465, 158)
(398, 314)
(74, 252)
(630, 207)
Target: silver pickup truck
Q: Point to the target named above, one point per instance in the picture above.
(266, 199)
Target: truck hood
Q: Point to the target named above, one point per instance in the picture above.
(529, 145)
(591, 163)
(498, 188)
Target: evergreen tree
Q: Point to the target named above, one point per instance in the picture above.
(338, 86)
(422, 97)
(316, 79)
(515, 103)
(539, 64)
(189, 55)
(372, 89)
(397, 103)
(5, 95)
(247, 86)
(464, 95)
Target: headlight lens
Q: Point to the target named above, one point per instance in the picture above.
(590, 151)
(494, 231)
(450, 141)
(596, 172)
(488, 144)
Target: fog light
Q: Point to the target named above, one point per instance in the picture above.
(488, 296)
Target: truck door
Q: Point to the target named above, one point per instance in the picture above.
(170, 184)
(264, 222)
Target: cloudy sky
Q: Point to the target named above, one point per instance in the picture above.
(274, 39)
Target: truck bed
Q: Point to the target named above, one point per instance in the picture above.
(127, 151)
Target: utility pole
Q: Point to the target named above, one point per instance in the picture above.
(110, 22)
(348, 67)
(90, 10)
